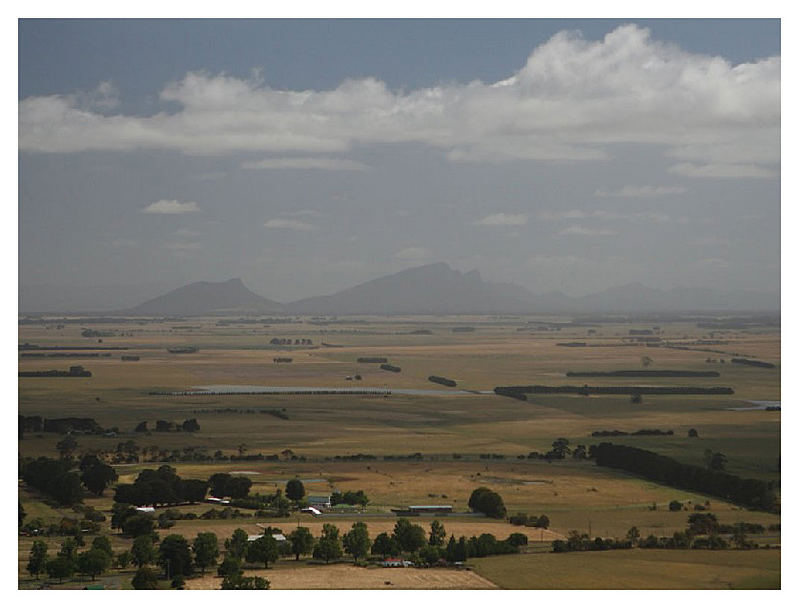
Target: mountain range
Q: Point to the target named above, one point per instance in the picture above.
(437, 289)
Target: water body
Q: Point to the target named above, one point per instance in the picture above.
(759, 405)
(259, 389)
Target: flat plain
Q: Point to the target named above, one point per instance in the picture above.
(454, 434)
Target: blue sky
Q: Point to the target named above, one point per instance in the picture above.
(305, 156)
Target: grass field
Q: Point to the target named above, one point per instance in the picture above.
(635, 569)
(501, 351)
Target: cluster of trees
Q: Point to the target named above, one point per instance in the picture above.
(442, 381)
(350, 498)
(581, 542)
(521, 519)
(68, 561)
(96, 475)
(756, 494)
(54, 478)
(703, 532)
(561, 450)
(288, 341)
(752, 362)
(648, 373)
(372, 360)
(515, 391)
(488, 502)
(161, 487)
(390, 368)
(225, 485)
(189, 425)
(641, 432)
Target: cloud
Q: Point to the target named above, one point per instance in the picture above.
(641, 191)
(171, 206)
(414, 253)
(503, 219)
(573, 99)
(576, 230)
(328, 164)
(180, 246)
(601, 214)
(290, 224)
(721, 170)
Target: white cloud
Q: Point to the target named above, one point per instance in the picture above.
(328, 164)
(641, 191)
(572, 99)
(290, 224)
(503, 219)
(601, 214)
(414, 253)
(575, 230)
(171, 206)
(721, 170)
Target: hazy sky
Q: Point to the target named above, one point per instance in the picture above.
(307, 156)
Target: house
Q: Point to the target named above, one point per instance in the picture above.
(396, 562)
(319, 501)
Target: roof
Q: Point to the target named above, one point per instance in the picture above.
(311, 510)
(145, 509)
(324, 498)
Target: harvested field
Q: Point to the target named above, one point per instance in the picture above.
(349, 577)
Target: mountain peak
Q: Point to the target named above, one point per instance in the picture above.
(208, 297)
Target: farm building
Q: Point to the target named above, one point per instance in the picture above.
(146, 510)
(279, 537)
(396, 562)
(217, 500)
(319, 501)
(311, 510)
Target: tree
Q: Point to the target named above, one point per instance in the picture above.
(579, 452)
(675, 506)
(206, 550)
(230, 567)
(329, 545)
(123, 559)
(410, 537)
(66, 489)
(264, 549)
(385, 545)
(560, 449)
(38, 558)
(190, 425)
(302, 541)
(236, 546)
(356, 541)
(120, 512)
(175, 555)
(693, 433)
(98, 477)
(102, 543)
(633, 535)
(295, 489)
(138, 525)
(66, 447)
(93, 562)
(542, 522)
(141, 427)
(20, 515)
(146, 578)
(488, 502)
(438, 534)
(69, 550)
(517, 539)
(646, 361)
(60, 567)
(143, 551)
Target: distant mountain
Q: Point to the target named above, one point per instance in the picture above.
(206, 298)
(430, 289)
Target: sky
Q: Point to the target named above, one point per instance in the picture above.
(305, 156)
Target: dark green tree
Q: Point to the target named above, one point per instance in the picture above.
(138, 525)
(385, 545)
(329, 545)
(356, 542)
(488, 502)
(230, 567)
(102, 543)
(302, 541)
(123, 559)
(38, 558)
(175, 556)
(69, 550)
(438, 534)
(98, 477)
(66, 447)
(410, 537)
(93, 562)
(143, 551)
(146, 578)
(236, 546)
(264, 549)
(60, 568)
(295, 489)
(206, 550)
(245, 583)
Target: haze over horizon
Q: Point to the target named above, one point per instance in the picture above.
(308, 156)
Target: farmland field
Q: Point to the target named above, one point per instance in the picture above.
(464, 441)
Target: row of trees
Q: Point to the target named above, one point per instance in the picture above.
(756, 494)
(161, 487)
(68, 561)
